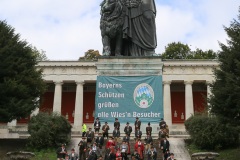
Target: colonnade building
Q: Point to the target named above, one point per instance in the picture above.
(72, 87)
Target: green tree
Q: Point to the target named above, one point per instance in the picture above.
(182, 51)
(200, 54)
(176, 51)
(39, 54)
(225, 100)
(21, 84)
(48, 130)
(208, 133)
(90, 55)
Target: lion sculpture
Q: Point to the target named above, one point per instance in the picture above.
(111, 25)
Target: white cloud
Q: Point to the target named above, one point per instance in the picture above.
(66, 29)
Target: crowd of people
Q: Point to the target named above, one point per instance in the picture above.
(93, 145)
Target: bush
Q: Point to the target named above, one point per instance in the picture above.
(48, 130)
(208, 133)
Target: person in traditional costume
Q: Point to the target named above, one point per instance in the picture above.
(139, 147)
(110, 143)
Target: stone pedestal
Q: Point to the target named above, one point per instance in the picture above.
(129, 66)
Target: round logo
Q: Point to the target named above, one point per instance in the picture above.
(143, 95)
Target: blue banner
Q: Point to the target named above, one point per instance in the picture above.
(126, 98)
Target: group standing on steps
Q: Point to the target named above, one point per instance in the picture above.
(94, 147)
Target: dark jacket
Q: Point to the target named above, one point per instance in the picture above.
(126, 138)
(137, 124)
(90, 134)
(152, 155)
(117, 124)
(149, 129)
(61, 154)
(164, 146)
(138, 134)
(91, 155)
(116, 133)
(148, 140)
(97, 124)
(99, 141)
(128, 129)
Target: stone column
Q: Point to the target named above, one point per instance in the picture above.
(167, 102)
(209, 92)
(189, 110)
(78, 116)
(57, 101)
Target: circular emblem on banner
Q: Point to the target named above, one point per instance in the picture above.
(143, 95)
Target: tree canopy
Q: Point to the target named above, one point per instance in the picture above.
(183, 51)
(225, 100)
(21, 84)
(48, 130)
(90, 55)
(40, 54)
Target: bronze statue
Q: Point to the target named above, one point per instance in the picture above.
(111, 25)
(128, 27)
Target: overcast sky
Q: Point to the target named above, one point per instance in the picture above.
(65, 29)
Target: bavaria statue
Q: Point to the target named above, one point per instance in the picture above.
(128, 27)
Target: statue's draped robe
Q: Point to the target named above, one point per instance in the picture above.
(139, 30)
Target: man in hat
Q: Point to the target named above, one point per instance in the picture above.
(164, 145)
(97, 125)
(137, 124)
(82, 149)
(90, 136)
(149, 129)
(73, 155)
(116, 124)
(61, 152)
(138, 134)
(148, 142)
(116, 134)
(105, 129)
(162, 124)
(126, 138)
(128, 129)
(99, 140)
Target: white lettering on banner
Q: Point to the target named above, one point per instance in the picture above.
(103, 114)
(108, 105)
(127, 114)
(117, 114)
(110, 95)
(151, 114)
(103, 85)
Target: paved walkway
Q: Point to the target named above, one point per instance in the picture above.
(177, 146)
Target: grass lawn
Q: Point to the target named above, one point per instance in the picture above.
(225, 154)
(48, 154)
